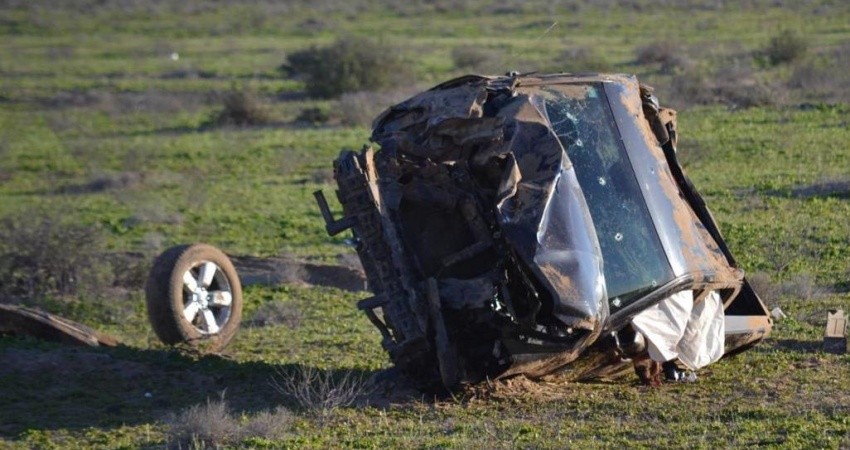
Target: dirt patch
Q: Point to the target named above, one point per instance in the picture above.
(837, 189)
(106, 182)
(348, 275)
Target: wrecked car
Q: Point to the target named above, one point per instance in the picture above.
(538, 225)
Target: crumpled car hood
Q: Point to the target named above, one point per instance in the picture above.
(509, 224)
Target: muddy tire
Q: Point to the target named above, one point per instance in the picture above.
(194, 296)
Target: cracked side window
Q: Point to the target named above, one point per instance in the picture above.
(633, 258)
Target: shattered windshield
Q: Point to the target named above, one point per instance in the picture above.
(634, 261)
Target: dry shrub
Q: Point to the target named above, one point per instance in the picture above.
(202, 426)
(739, 87)
(361, 108)
(213, 425)
(348, 65)
(763, 286)
(475, 58)
(319, 391)
(656, 52)
(798, 286)
(273, 424)
(734, 86)
(46, 254)
(277, 313)
(671, 57)
(241, 108)
(825, 78)
(785, 47)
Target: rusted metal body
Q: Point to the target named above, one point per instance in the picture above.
(517, 224)
(22, 321)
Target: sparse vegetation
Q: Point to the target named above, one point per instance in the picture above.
(320, 392)
(48, 254)
(785, 47)
(208, 425)
(213, 425)
(657, 52)
(101, 127)
(241, 108)
(669, 56)
(360, 108)
(735, 87)
(348, 65)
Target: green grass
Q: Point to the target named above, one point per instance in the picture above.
(89, 90)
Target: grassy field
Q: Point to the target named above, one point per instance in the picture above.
(110, 122)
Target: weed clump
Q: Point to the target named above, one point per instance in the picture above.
(241, 108)
(348, 65)
(318, 391)
(801, 286)
(735, 87)
(213, 425)
(204, 425)
(274, 424)
(656, 52)
(825, 77)
(47, 254)
(360, 108)
(785, 47)
(668, 55)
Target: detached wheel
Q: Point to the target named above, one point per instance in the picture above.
(194, 296)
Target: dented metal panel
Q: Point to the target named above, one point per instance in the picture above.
(512, 224)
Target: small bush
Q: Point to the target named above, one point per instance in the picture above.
(735, 87)
(785, 47)
(799, 286)
(319, 391)
(241, 108)
(273, 424)
(656, 52)
(45, 254)
(213, 425)
(361, 108)
(475, 58)
(203, 426)
(763, 285)
(348, 65)
(670, 56)
(739, 87)
(824, 78)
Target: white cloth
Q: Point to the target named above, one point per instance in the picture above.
(676, 328)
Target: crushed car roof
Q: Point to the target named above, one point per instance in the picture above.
(553, 205)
